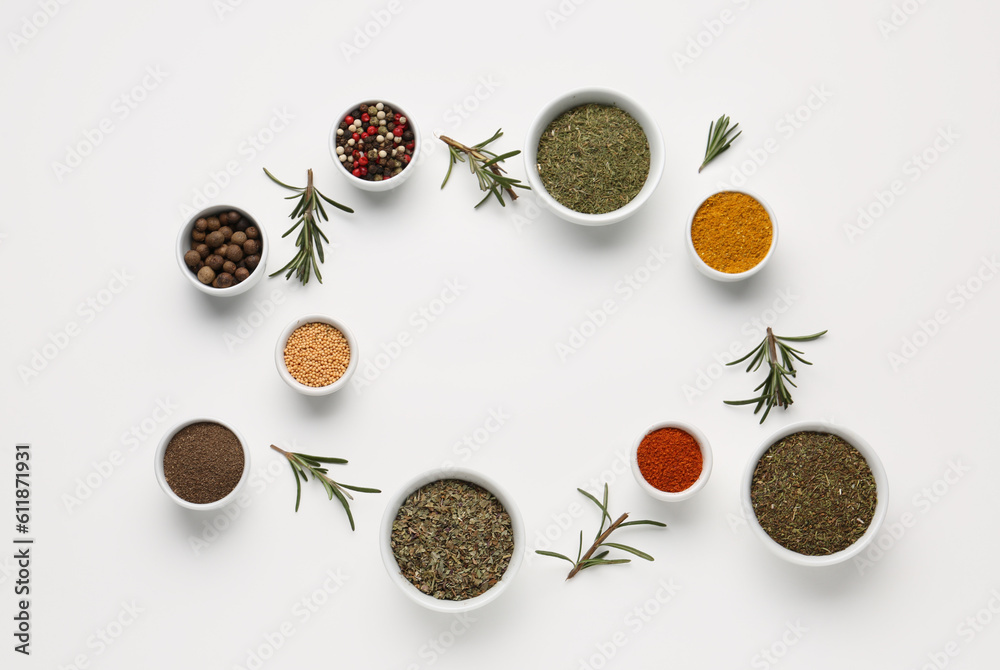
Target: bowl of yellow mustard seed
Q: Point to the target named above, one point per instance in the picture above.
(316, 355)
(731, 235)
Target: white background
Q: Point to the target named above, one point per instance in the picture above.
(529, 279)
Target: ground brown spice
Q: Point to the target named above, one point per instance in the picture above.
(203, 462)
(731, 232)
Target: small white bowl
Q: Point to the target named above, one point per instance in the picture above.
(279, 356)
(161, 449)
(600, 96)
(706, 465)
(711, 272)
(389, 559)
(385, 184)
(881, 487)
(184, 245)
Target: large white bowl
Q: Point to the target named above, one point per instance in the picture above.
(184, 245)
(706, 463)
(161, 449)
(286, 376)
(881, 486)
(717, 275)
(389, 559)
(385, 184)
(599, 96)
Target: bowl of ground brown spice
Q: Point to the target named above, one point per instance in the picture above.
(316, 355)
(202, 463)
(731, 235)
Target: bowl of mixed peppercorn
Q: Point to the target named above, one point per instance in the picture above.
(374, 144)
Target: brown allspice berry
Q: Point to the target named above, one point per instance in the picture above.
(201, 224)
(213, 223)
(215, 239)
(192, 258)
(227, 232)
(234, 253)
(251, 262)
(206, 275)
(224, 280)
(251, 247)
(252, 232)
(229, 267)
(241, 274)
(215, 261)
(203, 251)
(198, 235)
(238, 237)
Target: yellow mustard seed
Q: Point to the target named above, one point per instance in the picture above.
(731, 232)
(317, 354)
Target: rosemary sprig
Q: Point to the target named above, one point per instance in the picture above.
(485, 165)
(590, 559)
(311, 237)
(773, 390)
(719, 139)
(302, 463)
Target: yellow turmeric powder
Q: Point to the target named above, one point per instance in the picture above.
(731, 232)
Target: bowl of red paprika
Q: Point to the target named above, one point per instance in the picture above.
(671, 461)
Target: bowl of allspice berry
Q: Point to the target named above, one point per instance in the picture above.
(222, 250)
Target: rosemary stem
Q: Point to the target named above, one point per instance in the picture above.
(495, 169)
(772, 354)
(597, 543)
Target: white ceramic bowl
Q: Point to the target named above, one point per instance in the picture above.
(711, 272)
(279, 355)
(161, 449)
(881, 486)
(706, 467)
(600, 96)
(184, 245)
(392, 567)
(385, 184)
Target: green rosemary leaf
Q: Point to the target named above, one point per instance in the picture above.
(360, 489)
(277, 181)
(643, 522)
(298, 488)
(749, 401)
(554, 555)
(343, 208)
(579, 551)
(759, 347)
(324, 459)
(802, 338)
(591, 562)
(347, 507)
(631, 550)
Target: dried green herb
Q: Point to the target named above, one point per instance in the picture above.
(452, 539)
(720, 136)
(813, 493)
(594, 158)
(302, 463)
(590, 559)
(773, 390)
(486, 166)
(311, 238)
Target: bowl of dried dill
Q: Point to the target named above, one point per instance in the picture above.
(452, 539)
(594, 156)
(815, 494)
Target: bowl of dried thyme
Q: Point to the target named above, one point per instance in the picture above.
(731, 235)
(815, 494)
(452, 539)
(594, 156)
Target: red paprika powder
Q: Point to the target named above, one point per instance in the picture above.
(670, 459)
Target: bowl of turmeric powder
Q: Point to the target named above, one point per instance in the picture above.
(731, 235)
(671, 461)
